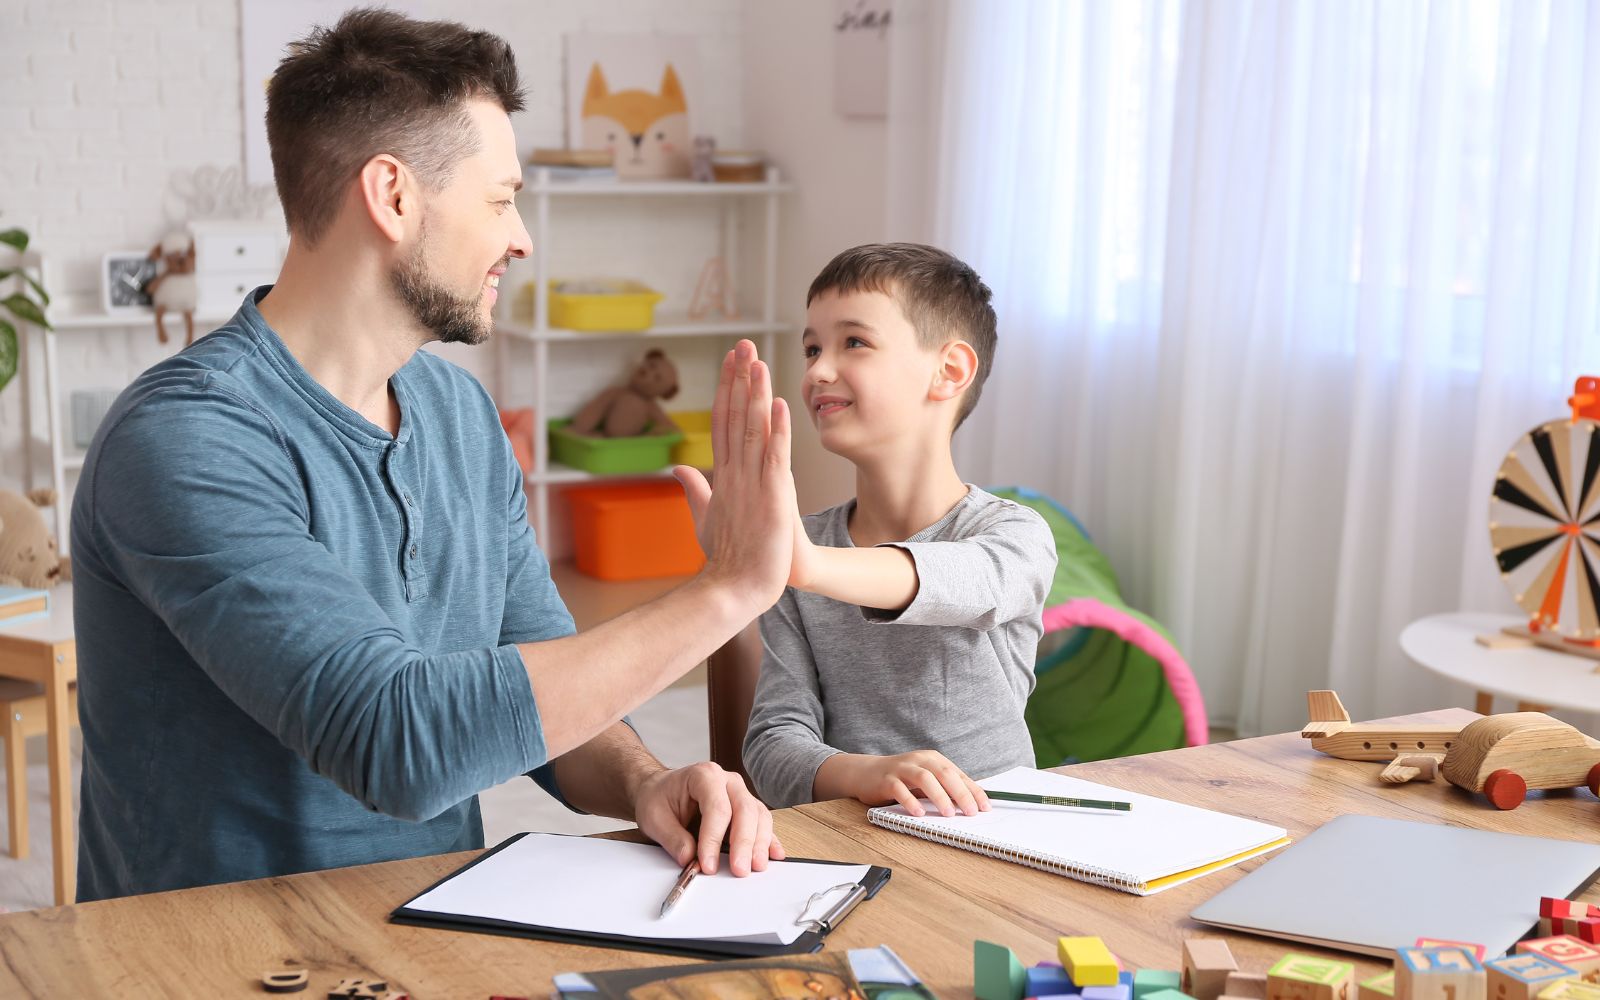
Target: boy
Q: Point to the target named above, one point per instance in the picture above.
(853, 703)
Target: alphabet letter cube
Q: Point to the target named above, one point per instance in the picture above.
(1571, 989)
(1306, 977)
(1379, 987)
(1523, 976)
(1438, 974)
(1564, 949)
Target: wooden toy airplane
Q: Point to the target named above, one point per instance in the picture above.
(1331, 731)
(1501, 756)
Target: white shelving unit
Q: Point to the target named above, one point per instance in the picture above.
(541, 192)
(67, 317)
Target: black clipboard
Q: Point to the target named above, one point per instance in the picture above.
(809, 941)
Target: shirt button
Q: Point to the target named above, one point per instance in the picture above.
(413, 551)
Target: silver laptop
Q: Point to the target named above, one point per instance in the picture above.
(1371, 885)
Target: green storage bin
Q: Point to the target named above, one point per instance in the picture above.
(611, 456)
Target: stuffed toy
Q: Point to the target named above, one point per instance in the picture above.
(28, 556)
(175, 289)
(630, 410)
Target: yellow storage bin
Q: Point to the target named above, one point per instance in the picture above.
(602, 305)
(695, 448)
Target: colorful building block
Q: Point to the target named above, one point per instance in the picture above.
(1048, 981)
(1116, 991)
(1206, 964)
(1167, 995)
(1306, 977)
(1564, 949)
(1549, 906)
(996, 973)
(1438, 974)
(1148, 981)
(1476, 949)
(1570, 989)
(1379, 987)
(1522, 976)
(1088, 961)
(1585, 929)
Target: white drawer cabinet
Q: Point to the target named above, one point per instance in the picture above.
(230, 258)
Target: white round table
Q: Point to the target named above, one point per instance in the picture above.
(1535, 677)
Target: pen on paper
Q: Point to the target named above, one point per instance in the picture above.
(1060, 800)
(686, 876)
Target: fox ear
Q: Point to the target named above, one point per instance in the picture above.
(596, 89)
(672, 90)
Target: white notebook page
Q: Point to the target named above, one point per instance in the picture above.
(1156, 838)
(611, 887)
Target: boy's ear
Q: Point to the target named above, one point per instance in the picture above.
(958, 366)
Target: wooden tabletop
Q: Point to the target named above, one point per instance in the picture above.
(217, 941)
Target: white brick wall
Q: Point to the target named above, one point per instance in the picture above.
(100, 100)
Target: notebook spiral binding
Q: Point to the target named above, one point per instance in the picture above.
(1083, 873)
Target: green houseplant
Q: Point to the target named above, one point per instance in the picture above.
(20, 304)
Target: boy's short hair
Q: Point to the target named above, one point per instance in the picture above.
(377, 82)
(943, 298)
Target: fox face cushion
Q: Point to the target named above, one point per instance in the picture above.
(648, 134)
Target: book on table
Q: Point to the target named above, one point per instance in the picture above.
(1154, 845)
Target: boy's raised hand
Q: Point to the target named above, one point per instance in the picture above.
(746, 525)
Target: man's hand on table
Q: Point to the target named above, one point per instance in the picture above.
(668, 802)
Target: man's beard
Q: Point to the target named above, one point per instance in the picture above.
(454, 319)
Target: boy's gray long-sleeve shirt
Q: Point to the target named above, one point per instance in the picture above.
(951, 672)
(297, 633)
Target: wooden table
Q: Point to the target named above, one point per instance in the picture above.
(45, 652)
(216, 941)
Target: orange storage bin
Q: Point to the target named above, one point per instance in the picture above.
(632, 531)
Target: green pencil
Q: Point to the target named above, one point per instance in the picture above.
(1057, 800)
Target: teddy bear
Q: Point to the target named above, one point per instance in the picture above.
(631, 409)
(28, 556)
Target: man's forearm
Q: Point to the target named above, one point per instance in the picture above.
(603, 775)
(882, 577)
(585, 683)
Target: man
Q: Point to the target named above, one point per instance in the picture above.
(312, 619)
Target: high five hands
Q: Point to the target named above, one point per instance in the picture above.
(747, 524)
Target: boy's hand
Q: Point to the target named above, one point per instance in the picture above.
(744, 526)
(901, 778)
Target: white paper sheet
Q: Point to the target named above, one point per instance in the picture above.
(611, 887)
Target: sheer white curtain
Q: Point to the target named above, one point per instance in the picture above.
(1279, 284)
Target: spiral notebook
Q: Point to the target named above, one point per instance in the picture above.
(1154, 846)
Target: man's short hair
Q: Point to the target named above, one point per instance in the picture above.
(943, 298)
(377, 82)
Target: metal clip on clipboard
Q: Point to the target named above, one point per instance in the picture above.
(857, 891)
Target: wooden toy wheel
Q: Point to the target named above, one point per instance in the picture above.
(1505, 789)
(1593, 780)
(1544, 525)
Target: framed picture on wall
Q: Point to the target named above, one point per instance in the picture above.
(634, 95)
(861, 58)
